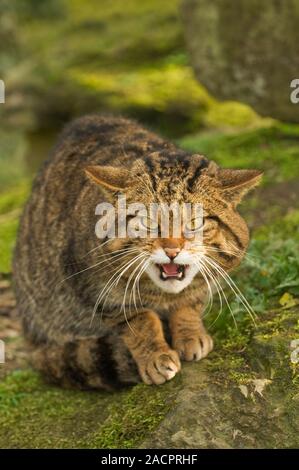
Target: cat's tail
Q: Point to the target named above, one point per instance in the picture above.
(87, 363)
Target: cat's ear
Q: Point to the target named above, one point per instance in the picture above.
(236, 183)
(109, 177)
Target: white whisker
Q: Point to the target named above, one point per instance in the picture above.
(233, 287)
(210, 296)
(91, 267)
(98, 247)
(113, 282)
(144, 265)
(221, 292)
(123, 307)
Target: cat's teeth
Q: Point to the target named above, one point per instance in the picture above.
(164, 275)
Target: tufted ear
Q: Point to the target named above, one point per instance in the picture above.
(236, 183)
(109, 177)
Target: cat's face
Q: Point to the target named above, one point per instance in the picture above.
(174, 262)
(216, 240)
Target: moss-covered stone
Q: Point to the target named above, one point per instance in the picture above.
(273, 148)
(118, 59)
(36, 415)
(238, 399)
(246, 52)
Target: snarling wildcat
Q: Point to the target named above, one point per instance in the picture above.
(104, 313)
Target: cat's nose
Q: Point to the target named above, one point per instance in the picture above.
(172, 252)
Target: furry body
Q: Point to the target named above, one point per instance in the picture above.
(57, 290)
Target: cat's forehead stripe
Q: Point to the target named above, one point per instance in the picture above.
(203, 164)
(169, 168)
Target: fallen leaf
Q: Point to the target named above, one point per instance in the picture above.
(244, 390)
(260, 384)
(236, 432)
(287, 300)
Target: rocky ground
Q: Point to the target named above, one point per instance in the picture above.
(237, 398)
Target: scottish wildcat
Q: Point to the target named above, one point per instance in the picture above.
(72, 288)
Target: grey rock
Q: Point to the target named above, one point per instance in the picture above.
(246, 51)
(220, 405)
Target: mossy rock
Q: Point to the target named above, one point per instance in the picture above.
(234, 400)
(246, 51)
(230, 400)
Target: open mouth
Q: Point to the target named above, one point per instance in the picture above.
(172, 271)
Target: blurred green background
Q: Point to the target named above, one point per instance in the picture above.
(63, 58)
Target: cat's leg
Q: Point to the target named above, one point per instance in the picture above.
(189, 337)
(109, 362)
(87, 363)
(155, 360)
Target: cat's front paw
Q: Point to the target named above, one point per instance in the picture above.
(193, 347)
(159, 367)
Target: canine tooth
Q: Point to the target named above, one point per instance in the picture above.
(180, 274)
(164, 275)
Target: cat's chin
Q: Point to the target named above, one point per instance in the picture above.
(171, 286)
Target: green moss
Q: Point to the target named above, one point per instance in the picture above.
(14, 188)
(266, 355)
(231, 115)
(8, 230)
(12, 158)
(139, 412)
(168, 92)
(274, 149)
(11, 203)
(101, 47)
(270, 270)
(130, 59)
(64, 418)
(111, 34)
(14, 198)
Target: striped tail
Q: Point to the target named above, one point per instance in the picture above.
(87, 363)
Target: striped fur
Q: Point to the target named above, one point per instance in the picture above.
(57, 290)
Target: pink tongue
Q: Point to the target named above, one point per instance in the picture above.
(170, 269)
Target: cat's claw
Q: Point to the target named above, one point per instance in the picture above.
(160, 367)
(194, 348)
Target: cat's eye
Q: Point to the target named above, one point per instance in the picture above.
(194, 225)
(210, 223)
(149, 223)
